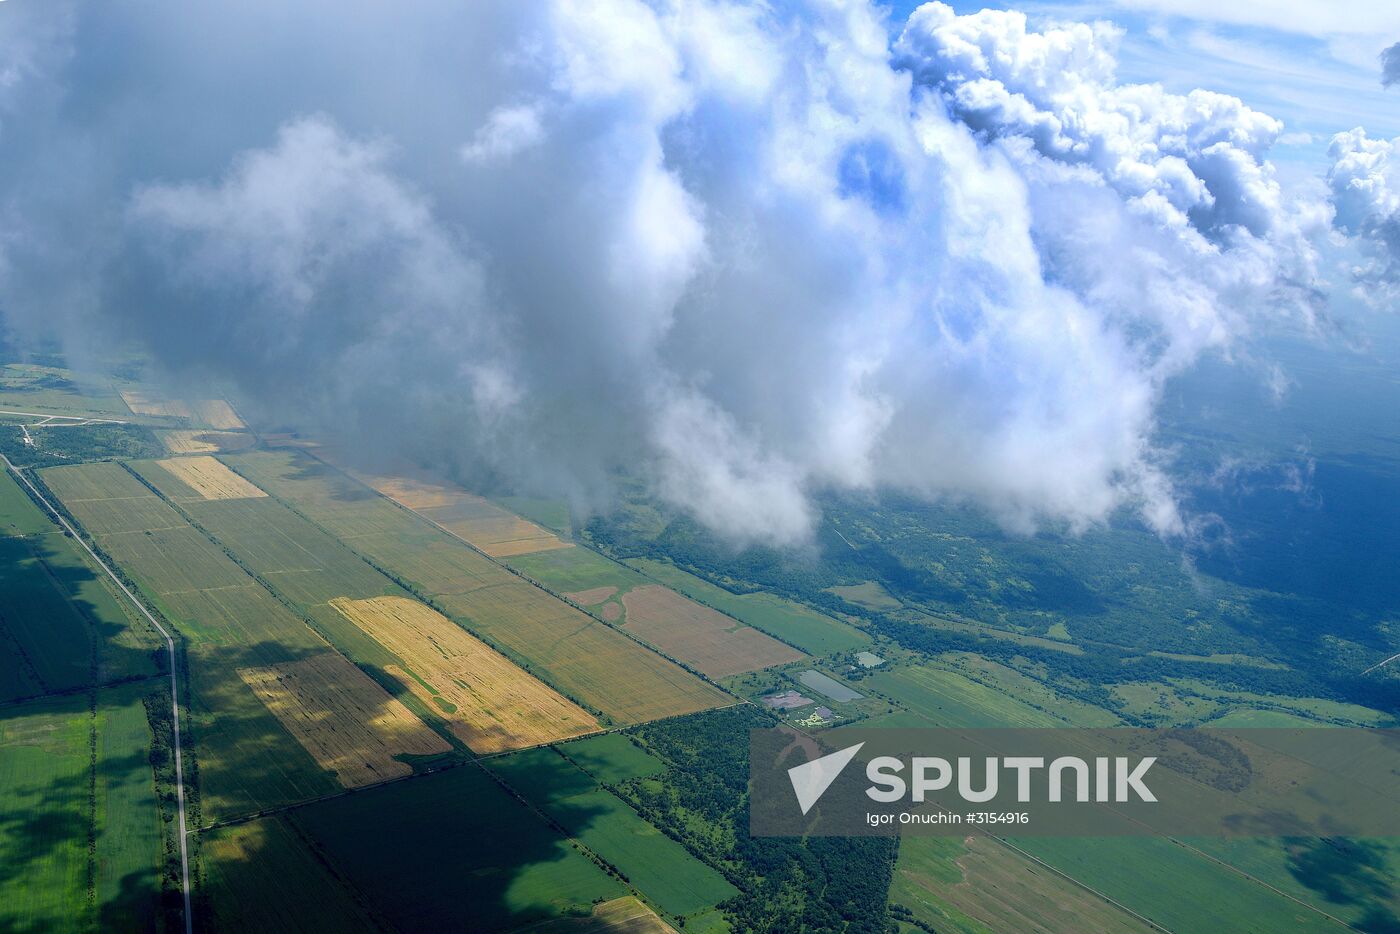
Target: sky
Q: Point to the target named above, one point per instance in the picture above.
(746, 252)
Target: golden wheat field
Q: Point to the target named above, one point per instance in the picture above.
(349, 724)
(487, 700)
(209, 478)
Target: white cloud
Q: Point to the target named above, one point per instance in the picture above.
(507, 131)
(727, 247)
(1365, 183)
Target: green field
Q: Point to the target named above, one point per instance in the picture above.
(70, 773)
(1151, 875)
(452, 851)
(60, 626)
(947, 699)
(659, 867)
(260, 876)
(807, 629)
(565, 570)
(944, 882)
(611, 758)
(247, 761)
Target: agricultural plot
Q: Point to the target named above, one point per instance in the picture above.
(208, 478)
(566, 648)
(619, 916)
(488, 702)
(49, 390)
(947, 699)
(346, 721)
(1148, 876)
(260, 876)
(699, 636)
(943, 883)
(611, 758)
(194, 441)
(658, 866)
(80, 833)
(215, 413)
(487, 526)
(457, 832)
(247, 761)
(805, 628)
(60, 627)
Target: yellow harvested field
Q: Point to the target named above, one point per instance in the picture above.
(209, 477)
(591, 597)
(699, 636)
(350, 725)
(626, 915)
(499, 533)
(195, 441)
(486, 699)
(216, 413)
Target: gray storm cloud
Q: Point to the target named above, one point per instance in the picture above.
(1390, 66)
(744, 251)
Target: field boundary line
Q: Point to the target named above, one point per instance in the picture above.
(174, 680)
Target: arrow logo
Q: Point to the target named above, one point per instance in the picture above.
(810, 781)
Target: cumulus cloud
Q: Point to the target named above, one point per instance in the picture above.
(1365, 184)
(744, 251)
(1390, 66)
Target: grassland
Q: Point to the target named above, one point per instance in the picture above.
(350, 726)
(658, 866)
(976, 884)
(465, 855)
(80, 834)
(260, 876)
(488, 701)
(209, 478)
(247, 761)
(805, 628)
(575, 654)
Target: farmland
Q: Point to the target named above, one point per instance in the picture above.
(942, 882)
(348, 723)
(487, 526)
(72, 770)
(455, 831)
(805, 628)
(260, 876)
(194, 441)
(698, 635)
(60, 627)
(211, 413)
(489, 703)
(573, 653)
(658, 866)
(208, 478)
(710, 641)
(611, 758)
(246, 759)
